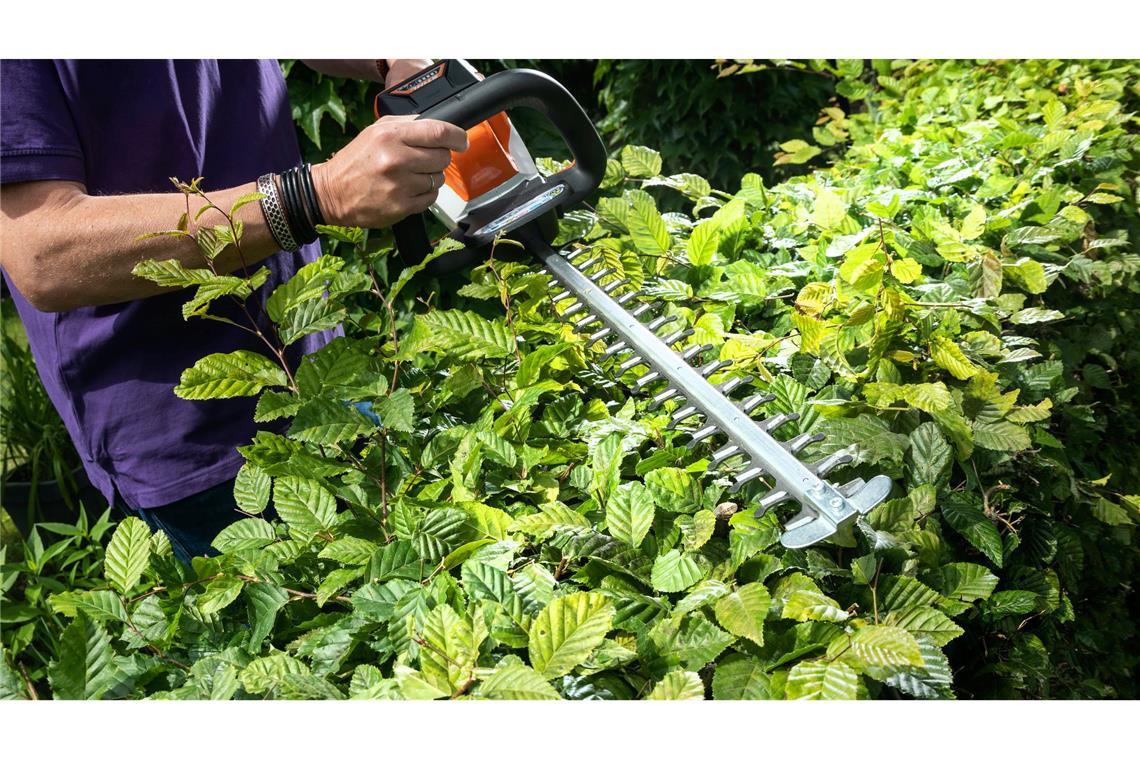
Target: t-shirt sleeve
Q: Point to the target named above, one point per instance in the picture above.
(38, 139)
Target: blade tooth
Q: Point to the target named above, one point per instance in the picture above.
(572, 310)
(772, 423)
(829, 463)
(682, 414)
(672, 338)
(629, 364)
(725, 452)
(616, 348)
(624, 299)
(544, 270)
(587, 264)
(576, 254)
(562, 296)
(600, 274)
(744, 477)
(713, 366)
(704, 433)
(852, 487)
(692, 351)
(752, 402)
(600, 334)
(771, 499)
(871, 494)
(642, 309)
(802, 441)
(662, 397)
(614, 285)
(611, 405)
(728, 386)
(582, 324)
(806, 529)
(645, 380)
(659, 322)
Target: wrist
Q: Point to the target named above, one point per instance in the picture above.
(325, 186)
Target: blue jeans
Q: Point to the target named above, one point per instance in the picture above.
(192, 523)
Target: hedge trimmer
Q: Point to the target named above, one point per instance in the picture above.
(495, 188)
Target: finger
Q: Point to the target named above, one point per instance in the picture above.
(391, 119)
(430, 133)
(426, 160)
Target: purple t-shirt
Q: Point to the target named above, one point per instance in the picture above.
(126, 127)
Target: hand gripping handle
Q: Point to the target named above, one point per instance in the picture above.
(532, 89)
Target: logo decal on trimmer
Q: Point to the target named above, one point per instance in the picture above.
(427, 77)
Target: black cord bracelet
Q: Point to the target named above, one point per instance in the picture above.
(303, 228)
(314, 206)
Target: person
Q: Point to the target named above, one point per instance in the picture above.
(87, 150)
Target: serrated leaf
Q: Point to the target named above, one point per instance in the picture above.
(263, 602)
(85, 666)
(128, 554)
(306, 505)
(805, 604)
(967, 518)
(1001, 436)
(516, 681)
(947, 354)
(326, 422)
(639, 161)
(883, 646)
(646, 227)
(397, 411)
(251, 489)
(447, 656)
(966, 581)
(740, 677)
(703, 243)
(466, 335)
(678, 685)
(249, 533)
(743, 611)
(675, 571)
(396, 560)
(629, 513)
(567, 630)
(239, 373)
(818, 679)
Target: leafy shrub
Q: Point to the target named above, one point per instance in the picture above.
(472, 504)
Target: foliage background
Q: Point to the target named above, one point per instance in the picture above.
(951, 290)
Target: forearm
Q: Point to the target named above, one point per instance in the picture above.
(65, 249)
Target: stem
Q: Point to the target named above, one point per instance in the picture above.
(28, 683)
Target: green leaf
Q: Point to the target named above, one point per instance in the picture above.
(949, 356)
(740, 677)
(263, 602)
(743, 611)
(128, 554)
(309, 283)
(306, 505)
(397, 411)
(966, 517)
(448, 651)
(906, 271)
(830, 210)
(703, 243)
(514, 680)
(679, 684)
(239, 373)
(806, 604)
(931, 681)
(567, 630)
(219, 594)
(349, 550)
(251, 489)
(1001, 436)
(639, 161)
(629, 513)
(250, 533)
(396, 560)
(675, 571)
(171, 274)
(882, 646)
(930, 456)
(85, 666)
(967, 582)
(1035, 316)
(819, 679)
(646, 227)
(326, 422)
(466, 335)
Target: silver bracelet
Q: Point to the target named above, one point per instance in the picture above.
(275, 214)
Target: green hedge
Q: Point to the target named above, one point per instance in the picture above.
(953, 300)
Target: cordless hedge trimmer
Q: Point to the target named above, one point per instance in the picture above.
(494, 188)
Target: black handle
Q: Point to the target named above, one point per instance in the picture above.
(533, 89)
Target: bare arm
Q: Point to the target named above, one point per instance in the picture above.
(65, 249)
